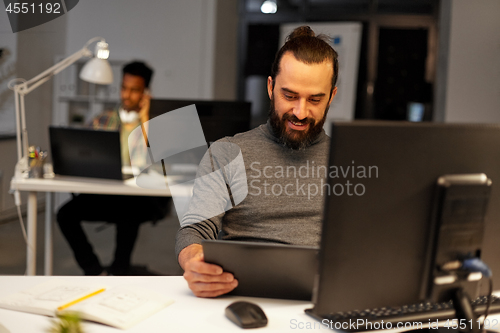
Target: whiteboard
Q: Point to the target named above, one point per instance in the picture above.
(346, 40)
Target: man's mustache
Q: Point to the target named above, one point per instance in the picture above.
(293, 118)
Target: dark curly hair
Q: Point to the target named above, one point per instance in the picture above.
(139, 68)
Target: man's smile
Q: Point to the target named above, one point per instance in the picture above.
(298, 125)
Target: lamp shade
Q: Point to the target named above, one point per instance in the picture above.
(97, 71)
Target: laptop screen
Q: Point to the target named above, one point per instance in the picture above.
(86, 152)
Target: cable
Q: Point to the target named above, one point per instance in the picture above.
(477, 265)
(488, 305)
(22, 225)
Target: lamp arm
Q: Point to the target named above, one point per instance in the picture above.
(46, 75)
(24, 130)
(18, 126)
(25, 88)
(22, 87)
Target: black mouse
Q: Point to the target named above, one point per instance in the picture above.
(246, 315)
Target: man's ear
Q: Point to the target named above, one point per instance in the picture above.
(270, 87)
(334, 92)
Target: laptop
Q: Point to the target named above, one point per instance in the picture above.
(264, 269)
(86, 153)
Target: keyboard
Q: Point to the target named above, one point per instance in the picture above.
(391, 317)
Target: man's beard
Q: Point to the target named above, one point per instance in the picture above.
(135, 107)
(291, 138)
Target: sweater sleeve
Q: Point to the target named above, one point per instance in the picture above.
(195, 233)
(211, 198)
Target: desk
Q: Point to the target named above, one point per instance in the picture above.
(187, 314)
(68, 184)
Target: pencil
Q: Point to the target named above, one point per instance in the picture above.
(80, 299)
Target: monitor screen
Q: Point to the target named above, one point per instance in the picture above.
(379, 193)
(218, 118)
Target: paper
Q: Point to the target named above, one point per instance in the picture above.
(121, 307)
(45, 298)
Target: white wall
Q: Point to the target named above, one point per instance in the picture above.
(36, 49)
(8, 63)
(468, 65)
(8, 43)
(175, 37)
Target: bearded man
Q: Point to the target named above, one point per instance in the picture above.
(285, 165)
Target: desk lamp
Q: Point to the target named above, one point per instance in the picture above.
(96, 70)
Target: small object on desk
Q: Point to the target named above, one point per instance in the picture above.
(65, 306)
(68, 323)
(48, 171)
(36, 162)
(246, 314)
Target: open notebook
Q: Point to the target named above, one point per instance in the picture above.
(121, 306)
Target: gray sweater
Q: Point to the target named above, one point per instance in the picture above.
(284, 203)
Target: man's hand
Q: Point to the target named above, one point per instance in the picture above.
(205, 280)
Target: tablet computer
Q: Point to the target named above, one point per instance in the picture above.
(265, 269)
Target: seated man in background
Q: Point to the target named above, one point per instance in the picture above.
(126, 212)
(284, 162)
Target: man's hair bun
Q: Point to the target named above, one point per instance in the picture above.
(308, 48)
(300, 32)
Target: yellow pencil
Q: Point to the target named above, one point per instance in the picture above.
(80, 299)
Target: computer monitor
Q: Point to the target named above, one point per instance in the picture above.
(380, 190)
(218, 118)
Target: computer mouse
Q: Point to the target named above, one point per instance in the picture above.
(246, 314)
